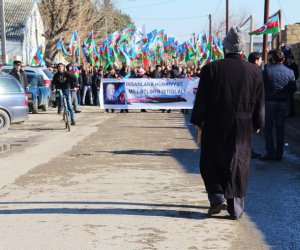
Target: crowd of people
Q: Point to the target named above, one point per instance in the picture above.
(235, 99)
(85, 88)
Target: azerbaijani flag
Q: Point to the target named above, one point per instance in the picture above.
(270, 27)
(74, 45)
(160, 35)
(89, 39)
(37, 59)
(58, 44)
(75, 71)
(126, 32)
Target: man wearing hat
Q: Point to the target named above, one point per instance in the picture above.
(229, 107)
(19, 74)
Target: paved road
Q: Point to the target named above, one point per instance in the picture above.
(129, 181)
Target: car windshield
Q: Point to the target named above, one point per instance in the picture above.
(48, 73)
(32, 80)
(9, 85)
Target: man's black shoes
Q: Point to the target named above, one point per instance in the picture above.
(216, 209)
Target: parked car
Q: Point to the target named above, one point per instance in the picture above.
(50, 75)
(13, 102)
(38, 93)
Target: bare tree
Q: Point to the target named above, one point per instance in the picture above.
(62, 17)
(219, 26)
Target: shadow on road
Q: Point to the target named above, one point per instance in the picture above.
(187, 158)
(115, 211)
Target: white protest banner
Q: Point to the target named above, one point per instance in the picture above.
(148, 93)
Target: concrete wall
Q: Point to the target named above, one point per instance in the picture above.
(291, 35)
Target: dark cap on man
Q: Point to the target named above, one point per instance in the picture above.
(17, 63)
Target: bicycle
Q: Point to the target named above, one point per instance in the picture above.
(66, 113)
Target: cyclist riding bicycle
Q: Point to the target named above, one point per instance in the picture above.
(64, 81)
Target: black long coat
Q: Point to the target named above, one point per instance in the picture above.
(229, 107)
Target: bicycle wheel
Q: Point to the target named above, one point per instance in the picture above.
(67, 121)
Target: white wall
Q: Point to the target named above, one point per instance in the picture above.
(33, 35)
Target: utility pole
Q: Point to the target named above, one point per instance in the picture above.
(79, 29)
(265, 41)
(3, 31)
(227, 16)
(279, 34)
(209, 17)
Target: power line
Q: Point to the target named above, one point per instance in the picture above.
(170, 19)
(142, 6)
(283, 12)
(217, 8)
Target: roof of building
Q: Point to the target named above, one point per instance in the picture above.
(16, 14)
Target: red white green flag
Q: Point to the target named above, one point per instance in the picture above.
(270, 27)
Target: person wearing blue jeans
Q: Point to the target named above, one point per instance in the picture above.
(66, 92)
(279, 82)
(87, 82)
(275, 116)
(64, 81)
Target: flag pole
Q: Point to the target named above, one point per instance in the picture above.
(265, 41)
(279, 34)
(79, 49)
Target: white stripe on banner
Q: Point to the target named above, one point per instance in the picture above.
(148, 93)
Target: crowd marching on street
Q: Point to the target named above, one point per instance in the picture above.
(234, 99)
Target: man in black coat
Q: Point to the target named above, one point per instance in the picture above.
(19, 74)
(228, 109)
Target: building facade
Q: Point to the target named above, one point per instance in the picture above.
(24, 30)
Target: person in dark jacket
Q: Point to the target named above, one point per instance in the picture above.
(74, 89)
(64, 81)
(279, 84)
(157, 72)
(174, 73)
(165, 72)
(19, 74)
(124, 72)
(87, 84)
(256, 59)
(80, 85)
(290, 63)
(97, 84)
(229, 107)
